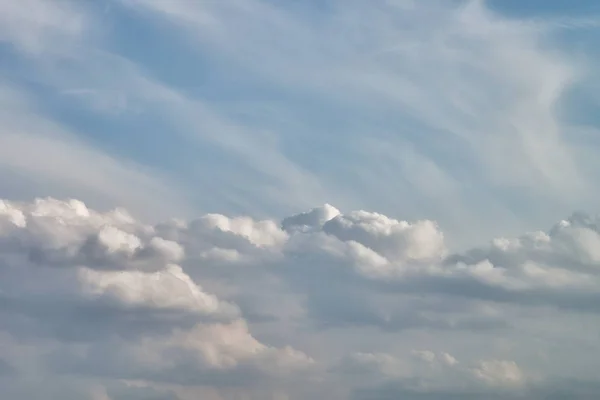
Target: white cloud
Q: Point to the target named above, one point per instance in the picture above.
(437, 373)
(222, 346)
(498, 372)
(313, 219)
(168, 289)
(421, 241)
(36, 27)
(98, 294)
(111, 298)
(259, 233)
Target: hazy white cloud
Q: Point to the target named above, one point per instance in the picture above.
(74, 61)
(499, 372)
(426, 373)
(37, 27)
(39, 157)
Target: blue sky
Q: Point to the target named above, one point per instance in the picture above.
(299, 199)
(540, 8)
(268, 108)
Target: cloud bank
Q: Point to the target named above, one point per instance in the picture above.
(323, 303)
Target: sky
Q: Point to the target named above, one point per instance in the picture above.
(284, 200)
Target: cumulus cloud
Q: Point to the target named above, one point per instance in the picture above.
(425, 371)
(313, 219)
(555, 267)
(498, 372)
(177, 303)
(167, 289)
(391, 238)
(104, 292)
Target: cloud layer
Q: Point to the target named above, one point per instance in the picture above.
(349, 305)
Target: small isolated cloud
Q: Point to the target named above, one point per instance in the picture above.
(499, 372)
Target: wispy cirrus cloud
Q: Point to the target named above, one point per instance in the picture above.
(436, 96)
(86, 73)
(427, 101)
(40, 157)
